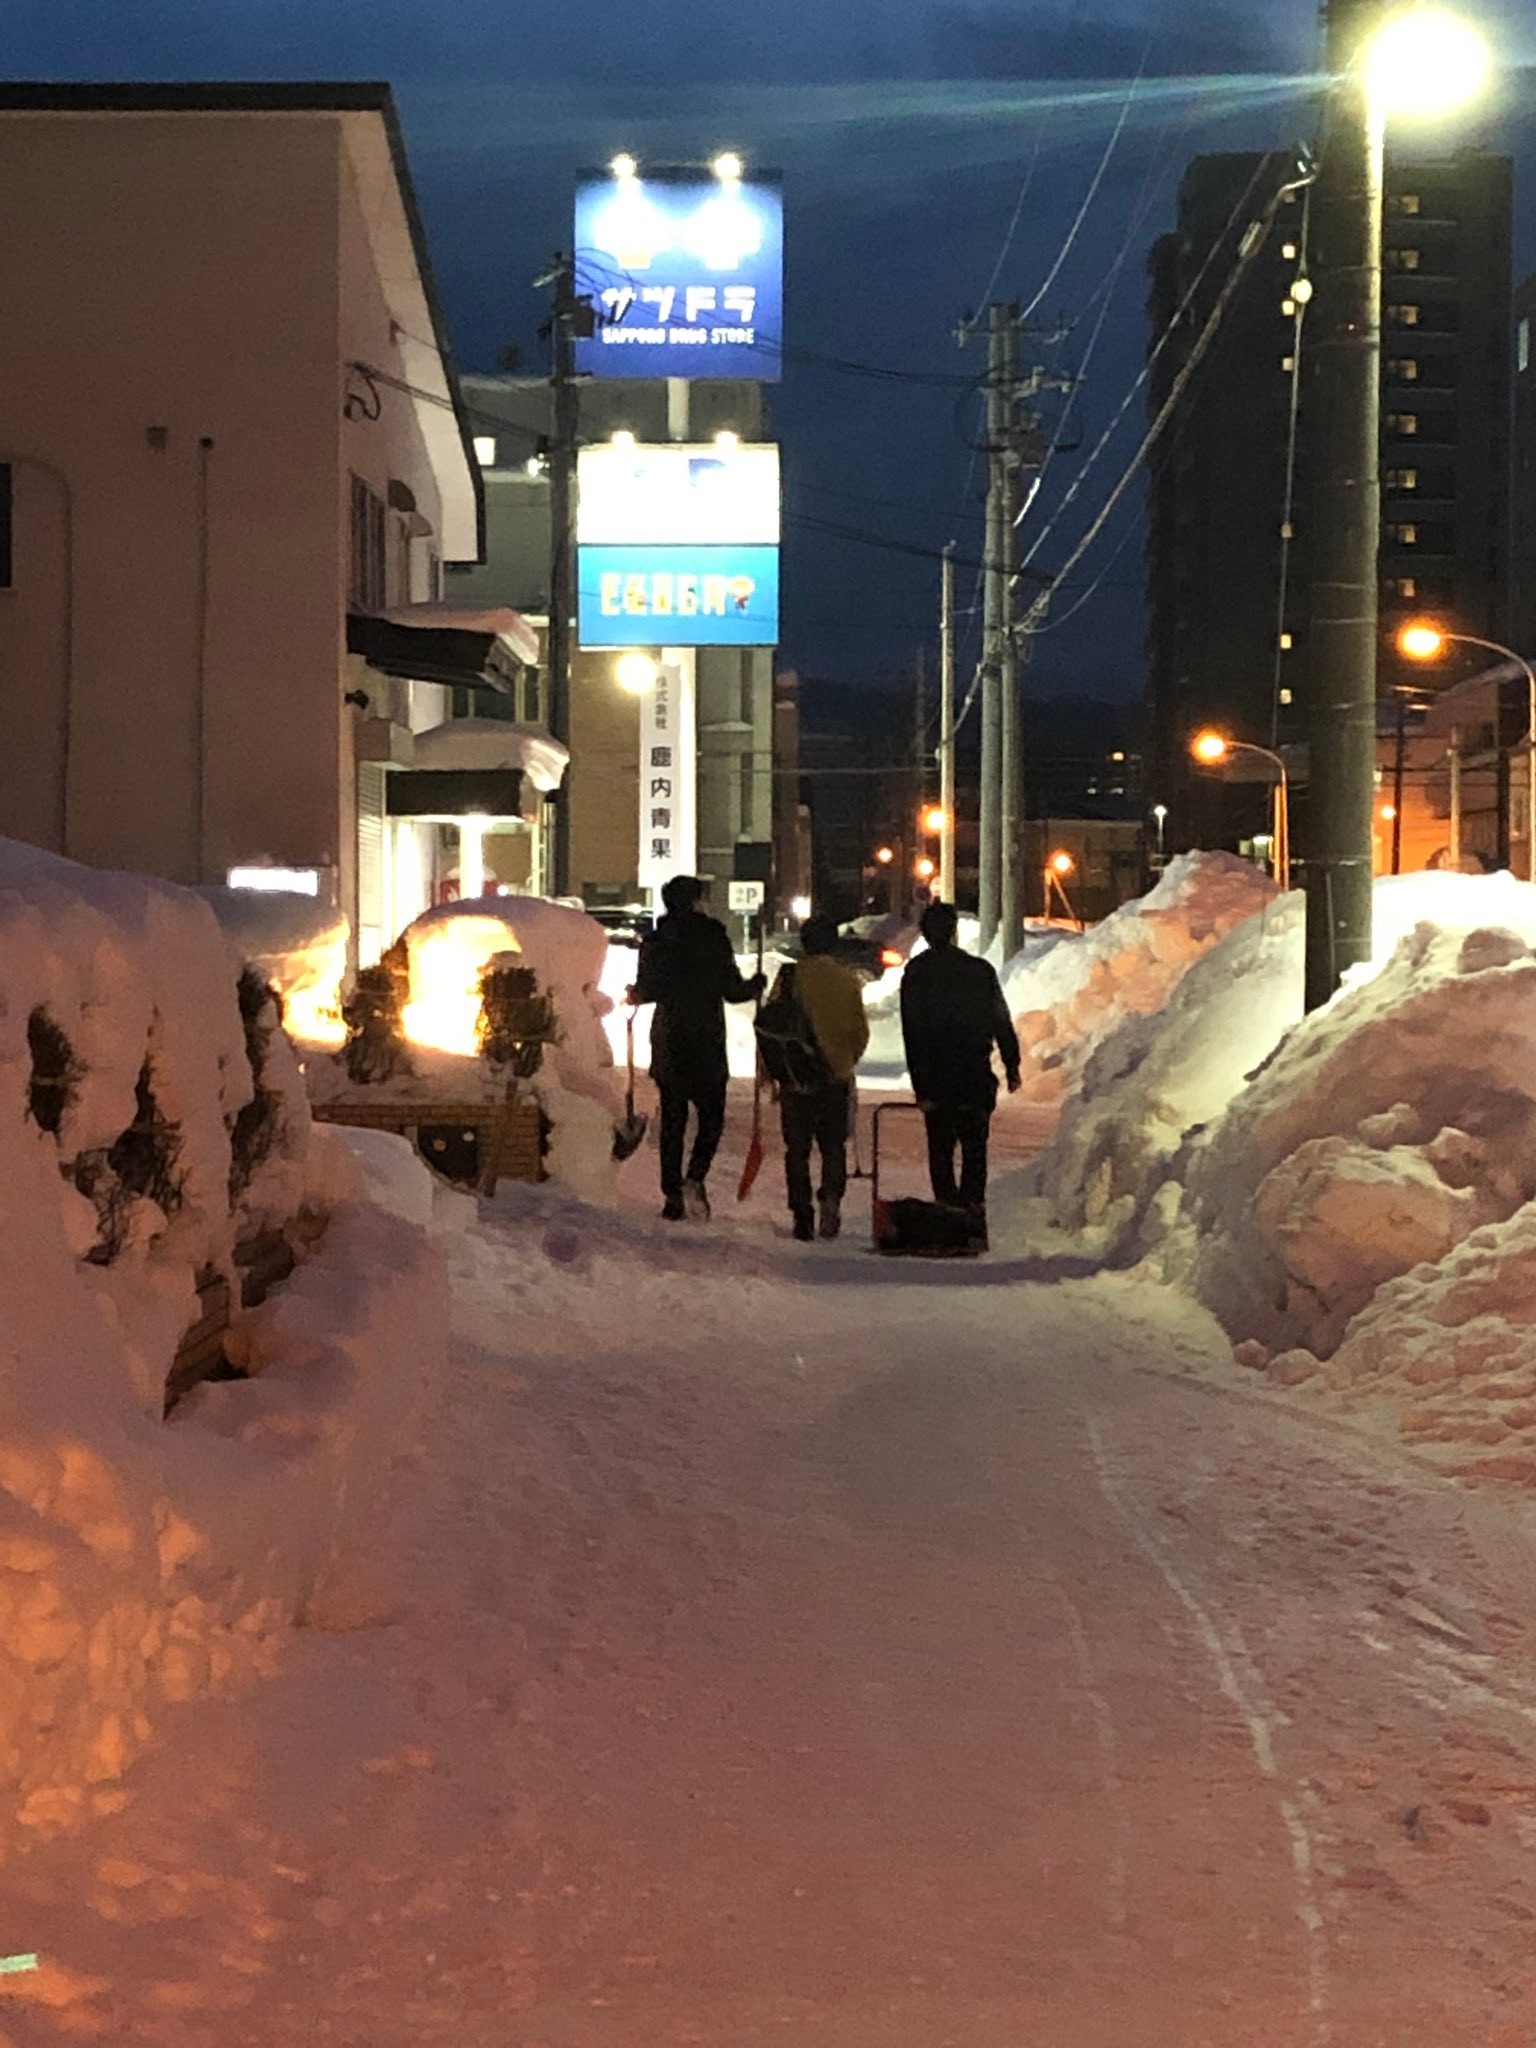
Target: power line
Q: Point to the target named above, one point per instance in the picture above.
(1093, 189)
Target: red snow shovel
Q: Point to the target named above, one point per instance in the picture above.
(752, 1166)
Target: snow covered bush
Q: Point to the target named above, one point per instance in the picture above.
(1067, 1001)
(151, 1113)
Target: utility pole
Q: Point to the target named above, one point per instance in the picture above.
(1344, 330)
(1013, 444)
(1011, 754)
(947, 725)
(996, 622)
(569, 317)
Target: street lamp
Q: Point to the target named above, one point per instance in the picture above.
(635, 673)
(935, 818)
(1057, 868)
(1423, 640)
(1417, 60)
(1160, 820)
(1211, 748)
(885, 855)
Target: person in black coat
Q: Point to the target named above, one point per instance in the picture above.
(952, 1016)
(687, 969)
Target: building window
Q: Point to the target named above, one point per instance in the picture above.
(1288, 251)
(1404, 424)
(1404, 259)
(1406, 316)
(1407, 202)
(1286, 643)
(485, 450)
(367, 589)
(6, 491)
(1403, 586)
(1404, 532)
(1286, 696)
(1288, 364)
(1401, 480)
(1403, 369)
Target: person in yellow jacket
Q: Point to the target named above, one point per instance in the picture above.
(833, 1003)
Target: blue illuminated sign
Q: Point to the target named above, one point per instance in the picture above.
(677, 596)
(686, 273)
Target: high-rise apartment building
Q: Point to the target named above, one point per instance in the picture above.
(1229, 576)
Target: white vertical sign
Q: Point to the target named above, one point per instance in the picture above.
(669, 835)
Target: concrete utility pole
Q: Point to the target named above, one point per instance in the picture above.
(947, 725)
(1013, 444)
(565, 321)
(1344, 425)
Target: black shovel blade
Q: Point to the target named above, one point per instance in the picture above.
(629, 1136)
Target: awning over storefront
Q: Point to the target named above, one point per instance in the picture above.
(481, 744)
(467, 650)
(498, 793)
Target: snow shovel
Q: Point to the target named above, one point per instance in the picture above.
(629, 1136)
(858, 1172)
(752, 1166)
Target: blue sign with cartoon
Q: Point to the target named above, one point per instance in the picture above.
(677, 596)
(685, 270)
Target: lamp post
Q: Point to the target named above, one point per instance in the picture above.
(1212, 748)
(1160, 820)
(1415, 61)
(1422, 640)
(1057, 868)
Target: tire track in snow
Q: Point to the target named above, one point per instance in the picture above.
(1231, 1662)
(1109, 1756)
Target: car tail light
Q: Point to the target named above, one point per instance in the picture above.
(889, 957)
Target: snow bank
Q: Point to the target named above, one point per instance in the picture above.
(1066, 1002)
(151, 1115)
(1447, 1352)
(1384, 1130)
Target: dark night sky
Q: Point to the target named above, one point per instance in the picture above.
(905, 129)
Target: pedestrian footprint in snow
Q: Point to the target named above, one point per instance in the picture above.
(687, 969)
(811, 1034)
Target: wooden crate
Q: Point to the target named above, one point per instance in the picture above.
(518, 1122)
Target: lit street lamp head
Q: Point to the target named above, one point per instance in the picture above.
(1062, 863)
(1424, 61)
(1420, 641)
(885, 855)
(635, 672)
(934, 818)
(1209, 748)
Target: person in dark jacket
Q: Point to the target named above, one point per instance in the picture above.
(832, 1003)
(952, 1015)
(687, 969)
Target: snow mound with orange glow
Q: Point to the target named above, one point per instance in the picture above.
(146, 1126)
(1066, 1001)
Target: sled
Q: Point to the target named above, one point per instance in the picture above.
(911, 1227)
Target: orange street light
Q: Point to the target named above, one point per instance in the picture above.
(1210, 748)
(885, 855)
(926, 869)
(935, 818)
(1062, 864)
(1421, 641)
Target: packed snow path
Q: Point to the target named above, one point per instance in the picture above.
(778, 1647)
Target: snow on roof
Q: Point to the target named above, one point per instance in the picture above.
(489, 744)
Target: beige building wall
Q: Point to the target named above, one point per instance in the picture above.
(181, 294)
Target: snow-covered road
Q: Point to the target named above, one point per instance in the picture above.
(785, 1648)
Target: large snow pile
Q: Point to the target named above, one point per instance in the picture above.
(151, 1114)
(1448, 1353)
(1385, 1129)
(1068, 1000)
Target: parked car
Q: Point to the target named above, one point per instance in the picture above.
(866, 955)
(626, 924)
